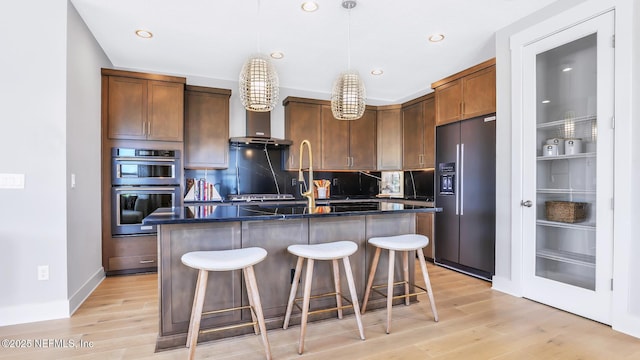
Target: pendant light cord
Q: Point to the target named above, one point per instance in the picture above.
(349, 40)
(258, 22)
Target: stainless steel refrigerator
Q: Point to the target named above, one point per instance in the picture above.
(465, 190)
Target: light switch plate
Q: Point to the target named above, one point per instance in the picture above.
(11, 181)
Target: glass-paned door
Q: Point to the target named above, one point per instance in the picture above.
(568, 150)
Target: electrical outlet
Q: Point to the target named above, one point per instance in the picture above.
(335, 181)
(43, 272)
(294, 182)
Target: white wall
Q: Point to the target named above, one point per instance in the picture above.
(626, 292)
(33, 142)
(84, 243)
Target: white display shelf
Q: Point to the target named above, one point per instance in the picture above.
(563, 157)
(580, 226)
(561, 123)
(566, 191)
(568, 257)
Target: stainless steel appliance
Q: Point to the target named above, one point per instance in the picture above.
(142, 180)
(145, 167)
(465, 190)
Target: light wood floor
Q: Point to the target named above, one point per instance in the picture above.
(121, 320)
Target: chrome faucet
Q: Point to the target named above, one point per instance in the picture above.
(309, 194)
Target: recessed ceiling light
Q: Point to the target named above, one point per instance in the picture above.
(436, 37)
(567, 69)
(145, 34)
(546, 101)
(277, 55)
(377, 72)
(309, 6)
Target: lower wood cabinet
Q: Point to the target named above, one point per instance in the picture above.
(130, 254)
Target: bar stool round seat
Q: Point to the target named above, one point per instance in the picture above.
(407, 242)
(327, 251)
(403, 243)
(226, 260)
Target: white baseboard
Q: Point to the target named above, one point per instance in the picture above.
(506, 286)
(85, 290)
(20, 314)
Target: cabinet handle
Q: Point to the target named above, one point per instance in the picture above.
(148, 127)
(527, 203)
(461, 179)
(147, 261)
(351, 162)
(461, 108)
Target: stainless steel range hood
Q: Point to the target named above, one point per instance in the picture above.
(259, 131)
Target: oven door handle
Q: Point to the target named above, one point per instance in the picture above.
(146, 160)
(144, 188)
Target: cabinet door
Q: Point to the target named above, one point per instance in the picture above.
(412, 138)
(479, 93)
(302, 121)
(449, 102)
(429, 119)
(362, 144)
(206, 130)
(389, 144)
(567, 96)
(424, 226)
(335, 142)
(127, 108)
(165, 111)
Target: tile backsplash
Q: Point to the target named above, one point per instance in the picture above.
(250, 172)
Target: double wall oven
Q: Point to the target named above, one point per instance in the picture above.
(142, 180)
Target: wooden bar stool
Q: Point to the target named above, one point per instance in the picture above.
(226, 260)
(327, 251)
(404, 243)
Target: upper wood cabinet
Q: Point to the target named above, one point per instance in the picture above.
(143, 106)
(389, 139)
(418, 133)
(467, 94)
(348, 144)
(206, 128)
(302, 119)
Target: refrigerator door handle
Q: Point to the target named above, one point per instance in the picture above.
(461, 179)
(457, 188)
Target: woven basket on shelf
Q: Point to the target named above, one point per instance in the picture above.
(565, 211)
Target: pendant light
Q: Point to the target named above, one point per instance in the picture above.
(258, 81)
(348, 95)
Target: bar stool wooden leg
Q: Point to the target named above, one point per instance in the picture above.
(372, 273)
(305, 304)
(405, 270)
(354, 295)
(392, 257)
(425, 274)
(336, 281)
(196, 316)
(292, 294)
(252, 288)
(250, 298)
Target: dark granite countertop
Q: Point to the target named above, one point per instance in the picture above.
(246, 211)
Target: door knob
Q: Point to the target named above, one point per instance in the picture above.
(526, 203)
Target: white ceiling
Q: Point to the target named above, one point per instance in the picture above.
(213, 38)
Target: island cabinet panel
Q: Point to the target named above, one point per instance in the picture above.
(178, 282)
(467, 94)
(350, 228)
(144, 106)
(274, 273)
(302, 119)
(206, 128)
(388, 225)
(424, 226)
(389, 138)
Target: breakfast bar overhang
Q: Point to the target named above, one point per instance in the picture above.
(272, 226)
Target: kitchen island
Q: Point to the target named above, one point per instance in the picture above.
(272, 226)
